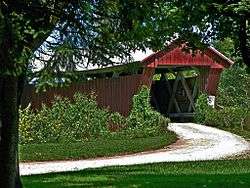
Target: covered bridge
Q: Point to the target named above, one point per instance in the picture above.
(174, 77)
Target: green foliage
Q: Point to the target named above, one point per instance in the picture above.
(201, 108)
(234, 88)
(117, 118)
(82, 119)
(26, 120)
(226, 46)
(99, 147)
(86, 118)
(91, 37)
(143, 117)
(116, 121)
(65, 121)
(231, 117)
(233, 102)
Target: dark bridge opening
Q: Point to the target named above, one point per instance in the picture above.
(174, 92)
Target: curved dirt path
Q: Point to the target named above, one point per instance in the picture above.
(196, 142)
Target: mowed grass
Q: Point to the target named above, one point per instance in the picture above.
(208, 174)
(102, 147)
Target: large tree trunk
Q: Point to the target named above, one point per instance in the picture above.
(244, 43)
(9, 131)
(20, 87)
(11, 87)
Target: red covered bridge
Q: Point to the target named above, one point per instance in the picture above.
(174, 77)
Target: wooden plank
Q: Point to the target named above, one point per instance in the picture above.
(181, 114)
(195, 91)
(175, 86)
(116, 93)
(213, 81)
(187, 89)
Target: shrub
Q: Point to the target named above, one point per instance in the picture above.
(82, 119)
(116, 122)
(63, 121)
(234, 88)
(201, 108)
(143, 120)
(233, 101)
(26, 125)
(37, 127)
(232, 116)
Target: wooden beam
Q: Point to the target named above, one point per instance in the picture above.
(170, 93)
(187, 89)
(195, 91)
(175, 86)
(181, 114)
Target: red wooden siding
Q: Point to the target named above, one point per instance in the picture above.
(115, 93)
(213, 81)
(203, 77)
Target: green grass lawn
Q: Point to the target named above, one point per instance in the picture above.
(93, 148)
(216, 174)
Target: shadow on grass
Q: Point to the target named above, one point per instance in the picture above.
(216, 174)
(142, 180)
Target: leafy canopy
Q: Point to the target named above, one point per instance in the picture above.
(64, 35)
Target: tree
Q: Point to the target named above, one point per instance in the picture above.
(209, 20)
(92, 31)
(24, 26)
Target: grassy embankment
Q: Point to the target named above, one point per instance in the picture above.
(94, 148)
